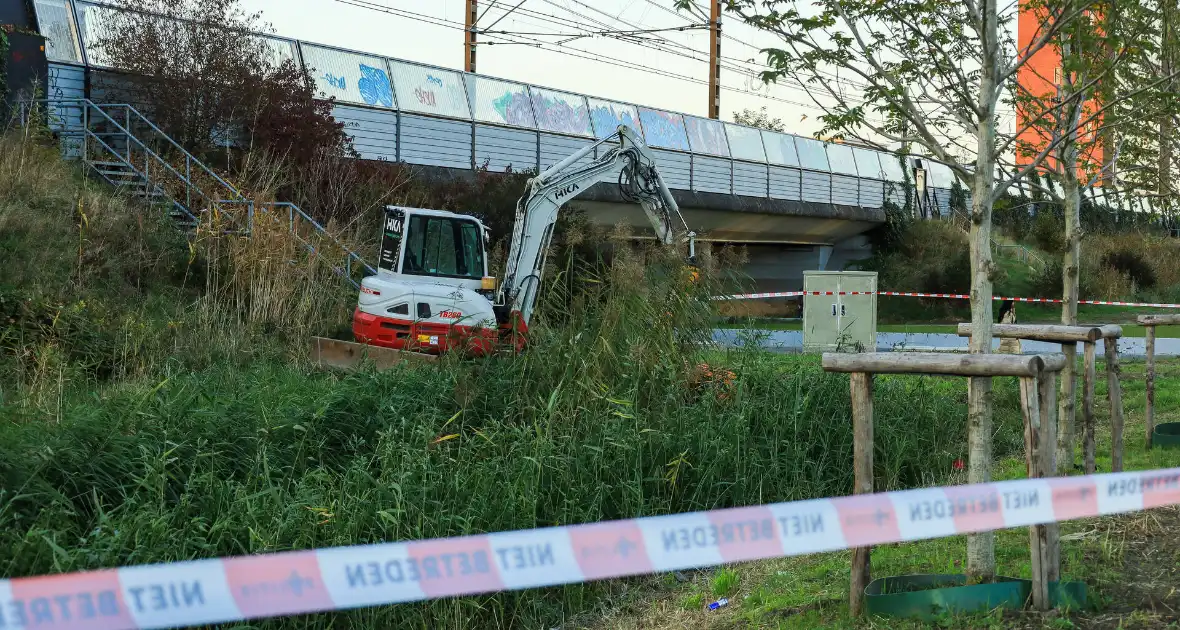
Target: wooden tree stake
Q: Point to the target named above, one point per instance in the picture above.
(862, 458)
(1090, 375)
(1114, 391)
(1038, 535)
(1067, 410)
(1150, 413)
(1048, 455)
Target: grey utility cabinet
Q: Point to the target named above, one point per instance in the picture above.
(840, 323)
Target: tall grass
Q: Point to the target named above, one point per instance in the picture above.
(597, 420)
(160, 412)
(97, 287)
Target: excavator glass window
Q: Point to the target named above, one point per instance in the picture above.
(442, 246)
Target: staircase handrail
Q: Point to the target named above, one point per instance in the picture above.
(143, 175)
(294, 209)
(131, 137)
(189, 157)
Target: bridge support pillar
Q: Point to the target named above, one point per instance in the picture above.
(825, 254)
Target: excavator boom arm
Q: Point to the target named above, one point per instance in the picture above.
(536, 212)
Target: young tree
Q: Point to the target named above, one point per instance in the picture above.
(1096, 94)
(930, 73)
(1145, 141)
(759, 118)
(206, 75)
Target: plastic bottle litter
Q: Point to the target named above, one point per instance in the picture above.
(721, 603)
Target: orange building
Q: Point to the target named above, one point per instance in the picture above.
(1039, 79)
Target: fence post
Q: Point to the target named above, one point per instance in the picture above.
(1067, 410)
(1088, 381)
(1114, 392)
(1030, 405)
(1150, 413)
(862, 457)
(1047, 385)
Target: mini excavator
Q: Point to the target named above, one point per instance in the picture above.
(432, 292)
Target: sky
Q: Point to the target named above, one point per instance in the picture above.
(435, 36)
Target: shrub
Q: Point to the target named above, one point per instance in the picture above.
(1012, 215)
(1133, 265)
(1048, 282)
(929, 256)
(207, 82)
(1048, 230)
(890, 236)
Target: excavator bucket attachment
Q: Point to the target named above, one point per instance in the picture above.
(348, 355)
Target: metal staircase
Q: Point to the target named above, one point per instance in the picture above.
(119, 145)
(1025, 255)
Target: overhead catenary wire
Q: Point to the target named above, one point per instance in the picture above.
(429, 19)
(635, 66)
(683, 49)
(726, 36)
(689, 27)
(506, 13)
(691, 53)
(560, 48)
(437, 21)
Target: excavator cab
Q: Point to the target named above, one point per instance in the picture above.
(432, 287)
(433, 243)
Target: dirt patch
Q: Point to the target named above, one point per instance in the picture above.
(1143, 593)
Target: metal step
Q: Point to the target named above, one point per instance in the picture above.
(108, 173)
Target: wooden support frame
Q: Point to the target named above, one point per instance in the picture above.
(1067, 410)
(1038, 386)
(1089, 378)
(862, 462)
(1114, 394)
(1069, 337)
(1150, 322)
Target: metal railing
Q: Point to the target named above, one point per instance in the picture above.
(121, 146)
(1021, 253)
(1017, 251)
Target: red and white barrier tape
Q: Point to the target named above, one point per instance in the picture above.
(229, 589)
(952, 296)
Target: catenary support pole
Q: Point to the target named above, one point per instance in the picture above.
(470, 16)
(715, 59)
